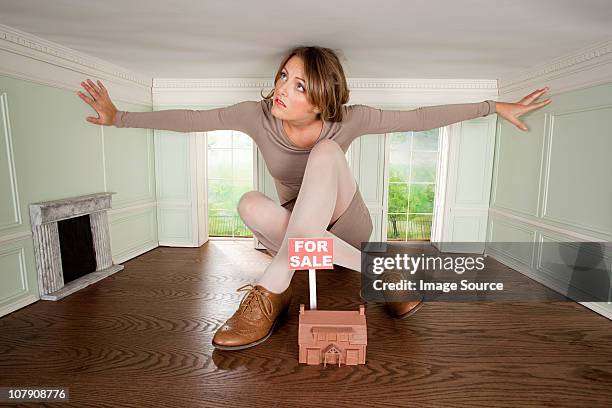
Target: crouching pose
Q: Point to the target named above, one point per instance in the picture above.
(303, 128)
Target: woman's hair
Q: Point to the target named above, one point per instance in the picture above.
(326, 86)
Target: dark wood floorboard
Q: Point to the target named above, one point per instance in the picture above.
(142, 338)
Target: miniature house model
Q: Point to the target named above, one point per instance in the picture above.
(332, 337)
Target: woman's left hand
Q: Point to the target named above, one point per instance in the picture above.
(512, 111)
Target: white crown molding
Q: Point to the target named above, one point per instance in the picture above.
(30, 45)
(353, 83)
(422, 84)
(580, 69)
(375, 91)
(26, 56)
(210, 83)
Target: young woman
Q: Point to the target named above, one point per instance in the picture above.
(303, 129)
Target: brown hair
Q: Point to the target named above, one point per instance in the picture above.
(326, 86)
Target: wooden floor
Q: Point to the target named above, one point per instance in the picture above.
(142, 338)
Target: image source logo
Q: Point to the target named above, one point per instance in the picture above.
(407, 270)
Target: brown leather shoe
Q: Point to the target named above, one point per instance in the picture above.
(396, 308)
(400, 310)
(254, 320)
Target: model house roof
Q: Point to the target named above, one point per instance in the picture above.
(332, 317)
(351, 322)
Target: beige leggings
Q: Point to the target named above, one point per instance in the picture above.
(327, 189)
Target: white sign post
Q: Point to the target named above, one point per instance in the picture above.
(311, 253)
(312, 283)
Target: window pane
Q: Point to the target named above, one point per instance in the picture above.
(413, 159)
(243, 163)
(220, 138)
(396, 227)
(230, 175)
(421, 198)
(221, 223)
(400, 142)
(220, 212)
(426, 140)
(240, 229)
(399, 157)
(219, 195)
(223, 217)
(398, 198)
(419, 226)
(220, 163)
(399, 167)
(424, 166)
(239, 187)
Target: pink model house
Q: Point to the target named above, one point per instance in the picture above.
(334, 337)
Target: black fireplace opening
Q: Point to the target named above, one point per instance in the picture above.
(77, 248)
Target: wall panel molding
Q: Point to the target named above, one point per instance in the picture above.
(9, 162)
(18, 236)
(150, 176)
(139, 218)
(551, 139)
(554, 228)
(19, 254)
(18, 281)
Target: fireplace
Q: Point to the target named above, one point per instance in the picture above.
(71, 244)
(76, 247)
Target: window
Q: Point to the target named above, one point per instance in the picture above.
(230, 174)
(413, 160)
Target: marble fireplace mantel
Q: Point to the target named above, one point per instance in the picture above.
(44, 217)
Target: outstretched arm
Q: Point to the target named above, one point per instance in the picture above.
(368, 120)
(241, 116)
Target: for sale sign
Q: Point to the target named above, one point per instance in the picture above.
(311, 253)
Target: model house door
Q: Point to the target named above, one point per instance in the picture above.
(332, 357)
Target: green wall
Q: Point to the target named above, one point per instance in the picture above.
(49, 151)
(551, 186)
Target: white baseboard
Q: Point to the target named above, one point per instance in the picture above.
(23, 302)
(134, 253)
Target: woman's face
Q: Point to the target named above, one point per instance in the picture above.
(291, 90)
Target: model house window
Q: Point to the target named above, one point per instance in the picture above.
(413, 160)
(230, 174)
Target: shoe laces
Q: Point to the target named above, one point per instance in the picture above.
(255, 296)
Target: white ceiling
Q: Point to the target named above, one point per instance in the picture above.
(467, 39)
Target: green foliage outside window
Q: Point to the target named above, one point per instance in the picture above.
(412, 177)
(230, 176)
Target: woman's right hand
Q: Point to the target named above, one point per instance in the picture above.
(99, 100)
